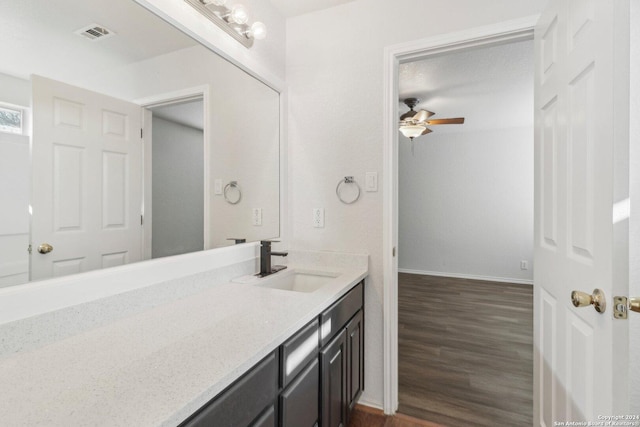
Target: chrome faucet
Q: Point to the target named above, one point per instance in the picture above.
(265, 258)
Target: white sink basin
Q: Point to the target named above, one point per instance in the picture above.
(297, 280)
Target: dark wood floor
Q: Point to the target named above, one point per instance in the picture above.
(465, 351)
(364, 416)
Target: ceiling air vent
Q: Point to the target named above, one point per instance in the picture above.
(95, 32)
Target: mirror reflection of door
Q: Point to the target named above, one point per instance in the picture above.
(177, 180)
(14, 194)
(90, 220)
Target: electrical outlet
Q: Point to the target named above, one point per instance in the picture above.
(524, 265)
(318, 217)
(256, 215)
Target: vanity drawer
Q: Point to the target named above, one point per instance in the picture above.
(298, 351)
(336, 317)
(244, 400)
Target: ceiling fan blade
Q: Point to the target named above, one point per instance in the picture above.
(426, 131)
(422, 115)
(454, 121)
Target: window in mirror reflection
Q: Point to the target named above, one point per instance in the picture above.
(10, 120)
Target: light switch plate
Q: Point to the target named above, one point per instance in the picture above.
(371, 181)
(217, 186)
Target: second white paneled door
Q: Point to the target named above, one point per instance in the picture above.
(581, 218)
(86, 195)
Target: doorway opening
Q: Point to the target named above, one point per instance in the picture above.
(395, 56)
(176, 173)
(177, 178)
(465, 238)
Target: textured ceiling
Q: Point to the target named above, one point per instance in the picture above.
(38, 37)
(492, 87)
(291, 8)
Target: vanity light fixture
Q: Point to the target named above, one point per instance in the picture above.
(234, 20)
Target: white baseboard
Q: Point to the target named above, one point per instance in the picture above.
(467, 276)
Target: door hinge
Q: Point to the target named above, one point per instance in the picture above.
(29, 249)
(140, 133)
(141, 219)
(393, 252)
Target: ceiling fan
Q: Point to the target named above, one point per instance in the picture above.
(414, 123)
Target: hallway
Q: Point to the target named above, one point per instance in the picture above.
(465, 351)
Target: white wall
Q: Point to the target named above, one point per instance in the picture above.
(466, 204)
(335, 80)
(14, 189)
(178, 189)
(14, 214)
(466, 191)
(15, 91)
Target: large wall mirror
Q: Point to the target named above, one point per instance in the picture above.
(122, 139)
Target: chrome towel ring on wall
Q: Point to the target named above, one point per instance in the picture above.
(348, 180)
(232, 193)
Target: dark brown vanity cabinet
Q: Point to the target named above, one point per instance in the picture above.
(313, 379)
(342, 359)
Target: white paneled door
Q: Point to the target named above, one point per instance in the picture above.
(86, 192)
(581, 203)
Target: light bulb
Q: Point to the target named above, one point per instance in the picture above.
(258, 30)
(239, 14)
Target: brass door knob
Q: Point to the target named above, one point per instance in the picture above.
(45, 248)
(583, 299)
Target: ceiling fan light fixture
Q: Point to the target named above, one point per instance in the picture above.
(412, 131)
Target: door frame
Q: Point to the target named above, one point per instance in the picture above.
(197, 92)
(509, 31)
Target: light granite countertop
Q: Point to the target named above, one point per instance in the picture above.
(158, 366)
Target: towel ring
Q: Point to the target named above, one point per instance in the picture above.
(230, 199)
(347, 180)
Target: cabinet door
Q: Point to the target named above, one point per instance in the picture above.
(333, 383)
(355, 361)
(266, 419)
(244, 400)
(299, 401)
